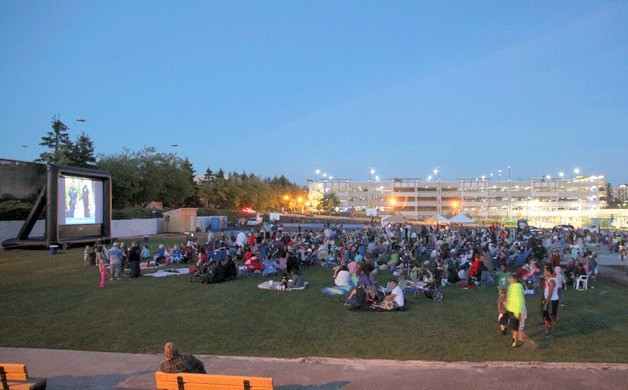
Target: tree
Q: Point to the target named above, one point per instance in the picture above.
(328, 203)
(58, 142)
(81, 152)
(144, 176)
(611, 201)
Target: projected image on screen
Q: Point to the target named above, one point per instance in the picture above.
(80, 200)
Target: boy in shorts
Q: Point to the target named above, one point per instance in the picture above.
(502, 317)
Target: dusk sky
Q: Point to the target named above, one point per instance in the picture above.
(288, 87)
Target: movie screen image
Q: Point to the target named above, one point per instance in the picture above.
(80, 201)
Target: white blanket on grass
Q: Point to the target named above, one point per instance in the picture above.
(169, 272)
(270, 285)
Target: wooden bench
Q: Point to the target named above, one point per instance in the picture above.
(185, 381)
(15, 376)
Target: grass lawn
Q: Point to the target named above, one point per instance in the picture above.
(54, 302)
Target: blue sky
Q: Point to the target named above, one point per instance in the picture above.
(288, 87)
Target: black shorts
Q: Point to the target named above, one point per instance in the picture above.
(552, 311)
(503, 318)
(514, 322)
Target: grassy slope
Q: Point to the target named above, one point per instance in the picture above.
(54, 302)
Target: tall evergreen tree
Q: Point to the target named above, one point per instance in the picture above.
(58, 143)
(81, 152)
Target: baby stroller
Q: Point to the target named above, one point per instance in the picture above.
(432, 290)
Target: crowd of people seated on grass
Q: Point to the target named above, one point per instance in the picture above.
(470, 257)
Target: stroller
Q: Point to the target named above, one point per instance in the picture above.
(432, 290)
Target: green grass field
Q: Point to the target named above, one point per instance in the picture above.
(54, 302)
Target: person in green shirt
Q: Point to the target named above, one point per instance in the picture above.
(516, 306)
(502, 277)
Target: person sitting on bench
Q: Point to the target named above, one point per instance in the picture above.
(176, 361)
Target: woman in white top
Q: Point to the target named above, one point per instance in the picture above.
(550, 300)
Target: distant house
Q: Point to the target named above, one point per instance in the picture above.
(155, 205)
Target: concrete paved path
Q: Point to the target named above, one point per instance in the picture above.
(104, 370)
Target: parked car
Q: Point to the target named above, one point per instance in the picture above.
(253, 222)
(593, 228)
(562, 228)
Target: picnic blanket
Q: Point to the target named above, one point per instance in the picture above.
(169, 272)
(270, 285)
(341, 290)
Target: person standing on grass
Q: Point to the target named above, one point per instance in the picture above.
(115, 256)
(103, 271)
(89, 256)
(550, 301)
(135, 254)
(502, 316)
(177, 361)
(516, 306)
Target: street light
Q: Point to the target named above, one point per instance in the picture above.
(393, 202)
(576, 171)
(370, 182)
(438, 191)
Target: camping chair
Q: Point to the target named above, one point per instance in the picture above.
(487, 280)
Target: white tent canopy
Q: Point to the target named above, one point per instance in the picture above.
(395, 218)
(461, 218)
(437, 219)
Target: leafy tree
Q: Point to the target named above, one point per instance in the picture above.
(58, 143)
(237, 190)
(611, 201)
(144, 176)
(328, 203)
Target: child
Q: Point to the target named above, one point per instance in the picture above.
(145, 254)
(103, 272)
(502, 317)
(88, 255)
(284, 282)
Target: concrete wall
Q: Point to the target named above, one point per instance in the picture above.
(136, 227)
(119, 228)
(10, 229)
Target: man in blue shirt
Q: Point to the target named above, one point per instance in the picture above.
(115, 256)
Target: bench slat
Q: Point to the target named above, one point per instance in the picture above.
(29, 385)
(208, 386)
(15, 372)
(211, 381)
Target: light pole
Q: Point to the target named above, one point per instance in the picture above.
(81, 120)
(485, 197)
(438, 191)
(371, 174)
(393, 202)
(509, 193)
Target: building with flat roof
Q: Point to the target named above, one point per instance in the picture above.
(544, 199)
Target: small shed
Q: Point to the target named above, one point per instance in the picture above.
(180, 220)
